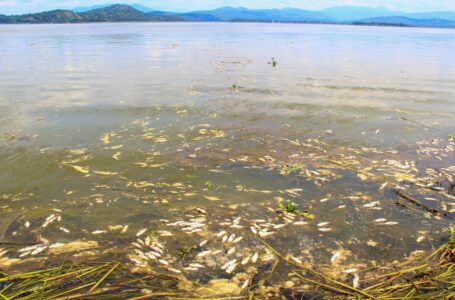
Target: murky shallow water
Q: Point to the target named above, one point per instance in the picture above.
(188, 131)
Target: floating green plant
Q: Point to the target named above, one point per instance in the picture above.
(273, 62)
(289, 206)
(292, 169)
(208, 184)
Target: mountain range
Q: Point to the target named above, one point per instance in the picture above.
(333, 15)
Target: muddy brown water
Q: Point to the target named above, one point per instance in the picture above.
(113, 126)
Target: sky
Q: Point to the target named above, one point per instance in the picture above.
(27, 6)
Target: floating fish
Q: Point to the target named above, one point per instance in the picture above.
(141, 232)
(255, 257)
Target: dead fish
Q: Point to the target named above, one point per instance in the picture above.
(335, 256)
(64, 229)
(49, 220)
(268, 257)
(201, 210)
(228, 264)
(196, 265)
(231, 251)
(420, 239)
(323, 224)
(325, 229)
(349, 271)
(221, 233)
(156, 249)
(141, 232)
(99, 231)
(300, 223)
(278, 226)
(390, 223)
(174, 270)
(164, 233)
(371, 204)
(140, 253)
(236, 226)
(296, 260)
(231, 269)
(231, 238)
(245, 284)
(38, 250)
(203, 243)
(26, 249)
(253, 230)
(245, 260)
(163, 262)
(125, 228)
(255, 257)
(137, 262)
(158, 244)
(204, 253)
(237, 240)
(156, 254)
(265, 233)
(25, 254)
(355, 280)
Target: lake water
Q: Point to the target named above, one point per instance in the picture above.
(188, 130)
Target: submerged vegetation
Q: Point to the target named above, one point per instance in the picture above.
(421, 276)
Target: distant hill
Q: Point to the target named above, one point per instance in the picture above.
(53, 16)
(405, 21)
(123, 13)
(271, 15)
(349, 13)
(445, 15)
(113, 13)
(136, 6)
(334, 15)
(4, 19)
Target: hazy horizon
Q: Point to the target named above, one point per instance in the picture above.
(14, 7)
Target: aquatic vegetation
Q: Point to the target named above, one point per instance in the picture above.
(292, 169)
(420, 276)
(273, 62)
(289, 206)
(8, 137)
(208, 184)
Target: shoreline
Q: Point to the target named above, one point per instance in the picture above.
(234, 22)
